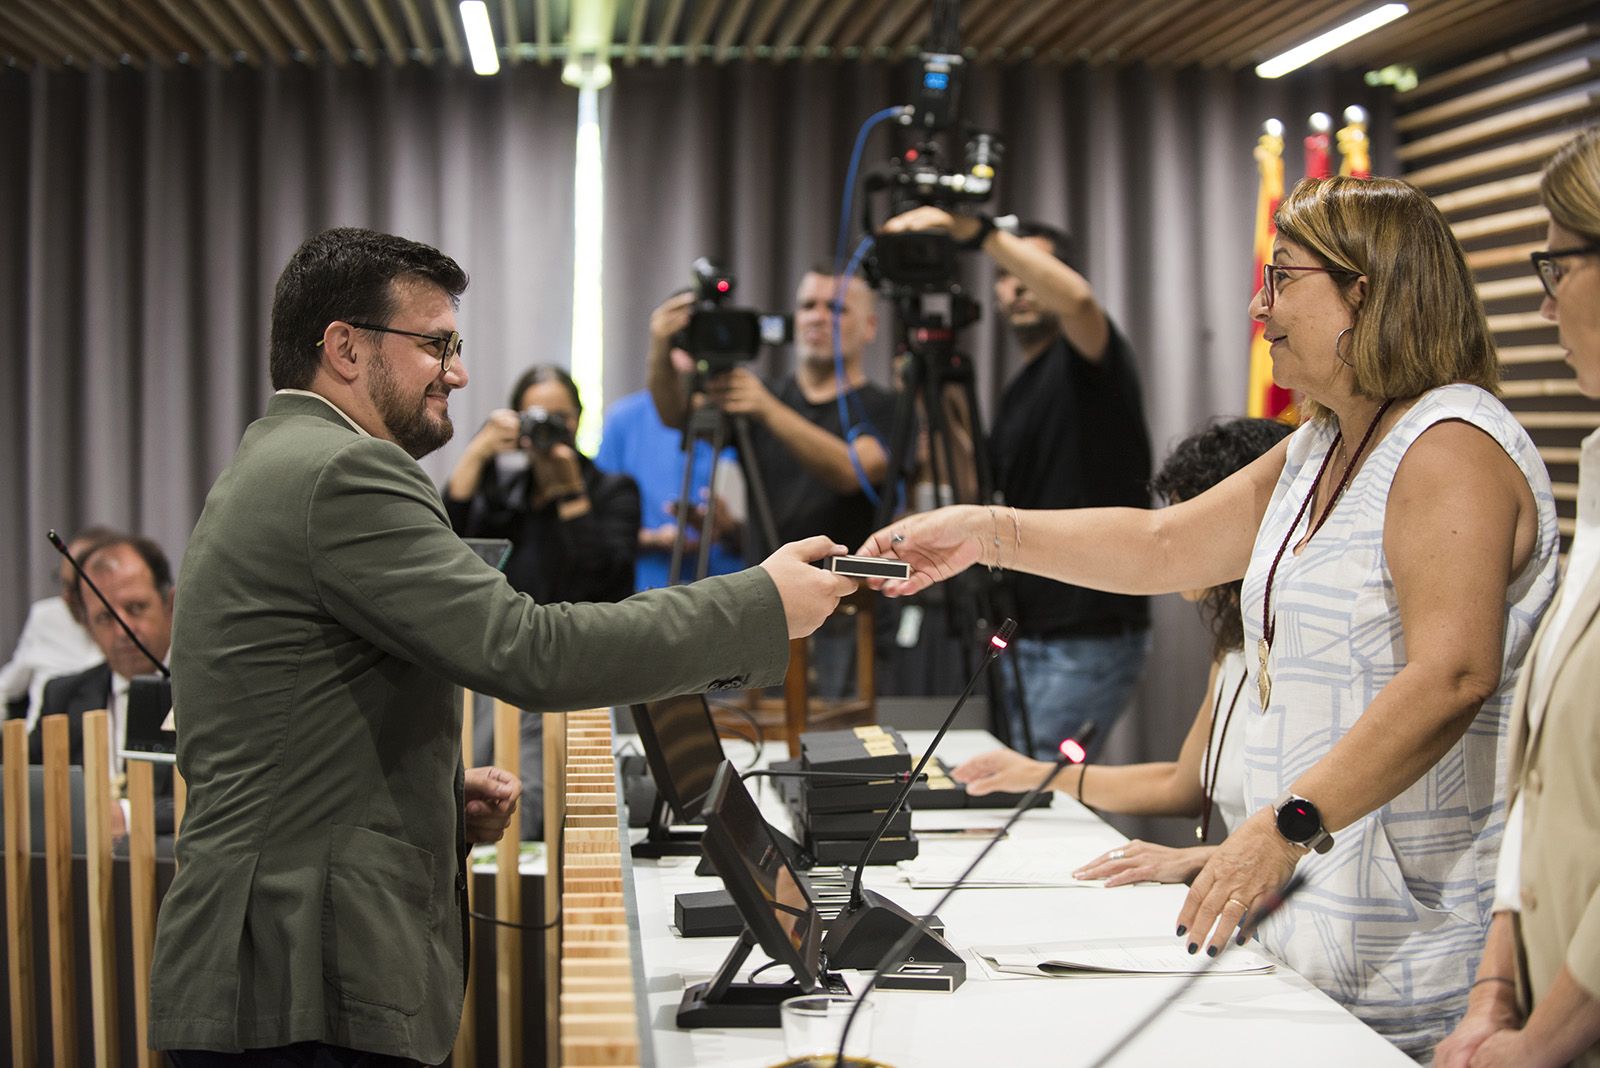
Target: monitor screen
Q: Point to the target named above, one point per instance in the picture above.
(681, 745)
(769, 895)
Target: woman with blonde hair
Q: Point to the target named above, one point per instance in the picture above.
(1536, 999)
(1397, 552)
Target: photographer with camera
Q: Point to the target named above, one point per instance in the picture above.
(573, 529)
(797, 434)
(1068, 432)
(800, 443)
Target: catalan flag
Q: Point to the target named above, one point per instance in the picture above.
(1266, 400)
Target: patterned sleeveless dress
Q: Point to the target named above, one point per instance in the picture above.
(1391, 921)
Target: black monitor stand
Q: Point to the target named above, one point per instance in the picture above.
(721, 1002)
(662, 841)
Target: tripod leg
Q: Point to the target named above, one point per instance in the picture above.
(901, 442)
(702, 565)
(690, 436)
(761, 506)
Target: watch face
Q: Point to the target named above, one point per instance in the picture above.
(1299, 820)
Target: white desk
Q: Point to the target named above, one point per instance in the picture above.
(1233, 1021)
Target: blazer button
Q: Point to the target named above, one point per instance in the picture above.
(1530, 900)
(461, 881)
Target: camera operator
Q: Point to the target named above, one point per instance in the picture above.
(802, 448)
(796, 430)
(573, 529)
(1069, 432)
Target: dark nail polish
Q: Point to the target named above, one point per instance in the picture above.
(1211, 951)
(1192, 947)
(1238, 939)
(1181, 930)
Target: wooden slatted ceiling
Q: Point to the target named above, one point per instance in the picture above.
(1166, 33)
(1476, 137)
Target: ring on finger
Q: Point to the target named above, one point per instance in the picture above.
(897, 539)
(1118, 854)
(1242, 907)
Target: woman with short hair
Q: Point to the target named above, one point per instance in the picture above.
(1397, 552)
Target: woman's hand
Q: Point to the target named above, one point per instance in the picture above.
(1251, 865)
(1483, 1020)
(1002, 771)
(498, 434)
(938, 545)
(1143, 862)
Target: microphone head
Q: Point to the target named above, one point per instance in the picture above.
(1002, 637)
(55, 539)
(1073, 750)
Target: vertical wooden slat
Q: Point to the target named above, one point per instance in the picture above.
(19, 895)
(465, 1053)
(508, 895)
(180, 801)
(97, 802)
(555, 815)
(142, 900)
(796, 693)
(446, 14)
(58, 892)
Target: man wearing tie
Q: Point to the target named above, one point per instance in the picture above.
(136, 578)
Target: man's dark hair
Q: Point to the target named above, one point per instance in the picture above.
(345, 274)
(1199, 462)
(149, 552)
(538, 375)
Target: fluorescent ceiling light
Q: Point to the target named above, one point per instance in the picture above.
(1338, 37)
(480, 37)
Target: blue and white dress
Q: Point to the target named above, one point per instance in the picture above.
(1391, 921)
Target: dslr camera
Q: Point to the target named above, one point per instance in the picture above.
(719, 336)
(542, 430)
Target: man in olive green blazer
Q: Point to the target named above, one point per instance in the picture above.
(327, 613)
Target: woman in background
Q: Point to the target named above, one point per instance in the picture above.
(1536, 998)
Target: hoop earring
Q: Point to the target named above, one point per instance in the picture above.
(1336, 352)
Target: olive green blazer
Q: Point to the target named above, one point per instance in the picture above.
(326, 611)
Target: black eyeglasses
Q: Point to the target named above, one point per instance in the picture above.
(1549, 271)
(450, 344)
(1270, 283)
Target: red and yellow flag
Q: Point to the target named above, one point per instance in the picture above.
(1266, 400)
(1354, 148)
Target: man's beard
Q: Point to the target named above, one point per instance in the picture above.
(412, 426)
(1044, 328)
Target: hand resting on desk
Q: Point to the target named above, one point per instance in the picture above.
(1145, 862)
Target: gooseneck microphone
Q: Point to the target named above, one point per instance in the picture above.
(61, 547)
(870, 921)
(1253, 918)
(849, 776)
(1072, 752)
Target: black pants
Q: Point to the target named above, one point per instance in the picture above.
(299, 1055)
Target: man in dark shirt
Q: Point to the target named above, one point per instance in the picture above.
(813, 448)
(1069, 433)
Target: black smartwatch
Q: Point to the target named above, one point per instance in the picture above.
(1300, 823)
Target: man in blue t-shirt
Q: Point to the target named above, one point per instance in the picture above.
(636, 442)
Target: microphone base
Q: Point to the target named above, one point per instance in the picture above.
(668, 844)
(860, 937)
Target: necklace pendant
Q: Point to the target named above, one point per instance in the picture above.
(1199, 835)
(1263, 676)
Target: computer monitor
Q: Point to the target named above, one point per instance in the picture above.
(778, 913)
(681, 745)
(149, 706)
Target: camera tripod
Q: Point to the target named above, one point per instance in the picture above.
(933, 373)
(714, 426)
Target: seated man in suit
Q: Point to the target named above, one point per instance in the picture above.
(136, 578)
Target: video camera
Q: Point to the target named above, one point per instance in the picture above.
(925, 262)
(718, 337)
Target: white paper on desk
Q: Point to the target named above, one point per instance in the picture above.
(934, 873)
(1154, 956)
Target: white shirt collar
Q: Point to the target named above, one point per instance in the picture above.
(342, 413)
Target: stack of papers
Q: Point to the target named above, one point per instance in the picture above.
(1155, 956)
(936, 873)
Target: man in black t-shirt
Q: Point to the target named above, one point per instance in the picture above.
(1069, 433)
(815, 450)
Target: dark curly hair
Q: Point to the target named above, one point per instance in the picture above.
(1199, 462)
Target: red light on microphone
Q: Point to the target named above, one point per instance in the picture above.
(723, 285)
(912, 155)
(1073, 751)
(999, 643)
